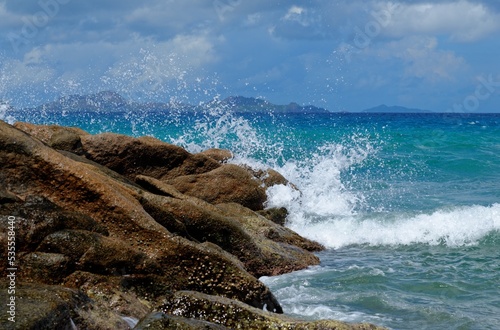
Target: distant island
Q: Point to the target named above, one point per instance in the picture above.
(108, 101)
(394, 109)
(250, 104)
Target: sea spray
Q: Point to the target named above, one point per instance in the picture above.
(322, 208)
(5, 110)
(321, 191)
(216, 125)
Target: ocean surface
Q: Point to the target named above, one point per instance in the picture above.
(407, 205)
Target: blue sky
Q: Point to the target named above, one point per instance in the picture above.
(341, 55)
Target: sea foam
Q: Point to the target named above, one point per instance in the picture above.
(453, 227)
(325, 209)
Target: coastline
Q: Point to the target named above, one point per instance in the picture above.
(112, 230)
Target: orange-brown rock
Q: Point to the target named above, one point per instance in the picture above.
(277, 215)
(57, 137)
(145, 155)
(227, 183)
(264, 247)
(147, 248)
(260, 226)
(220, 155)
(270, 177)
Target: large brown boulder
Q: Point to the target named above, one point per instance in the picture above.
(6, 196)
(57, 137)
(260, 226)
(47, 307)
(269, 177)
(132, 242)
(264, 247)
(145, 155)
(40, 306)
(200, 175)
(162, 321)
(277, 215)
(220, 155)
(226, 184)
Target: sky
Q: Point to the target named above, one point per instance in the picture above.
(345, 55)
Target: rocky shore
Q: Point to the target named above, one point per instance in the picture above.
(115, 232)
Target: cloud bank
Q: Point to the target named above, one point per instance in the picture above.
(343, 55)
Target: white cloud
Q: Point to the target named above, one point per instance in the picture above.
(294, 13)
(253, 19)
(462, 20)
(134, 65)
(301, 16)
(421, 58)
(7, 19)
(176, 16)
(298, 23)
(128, 45)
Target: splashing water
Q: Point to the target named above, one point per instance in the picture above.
(324, 209)
(321, 191)
(5, 110)
(216, 126)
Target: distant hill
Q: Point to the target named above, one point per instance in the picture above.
(394, 109)
(106, 101)
(250, 104)
(94, 102)
(113, 102)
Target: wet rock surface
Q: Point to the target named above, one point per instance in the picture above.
(110, 228)
(220, 155)
(145, 155)
(235, 315)
(228, 183)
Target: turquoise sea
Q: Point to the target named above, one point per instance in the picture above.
(408, 205)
